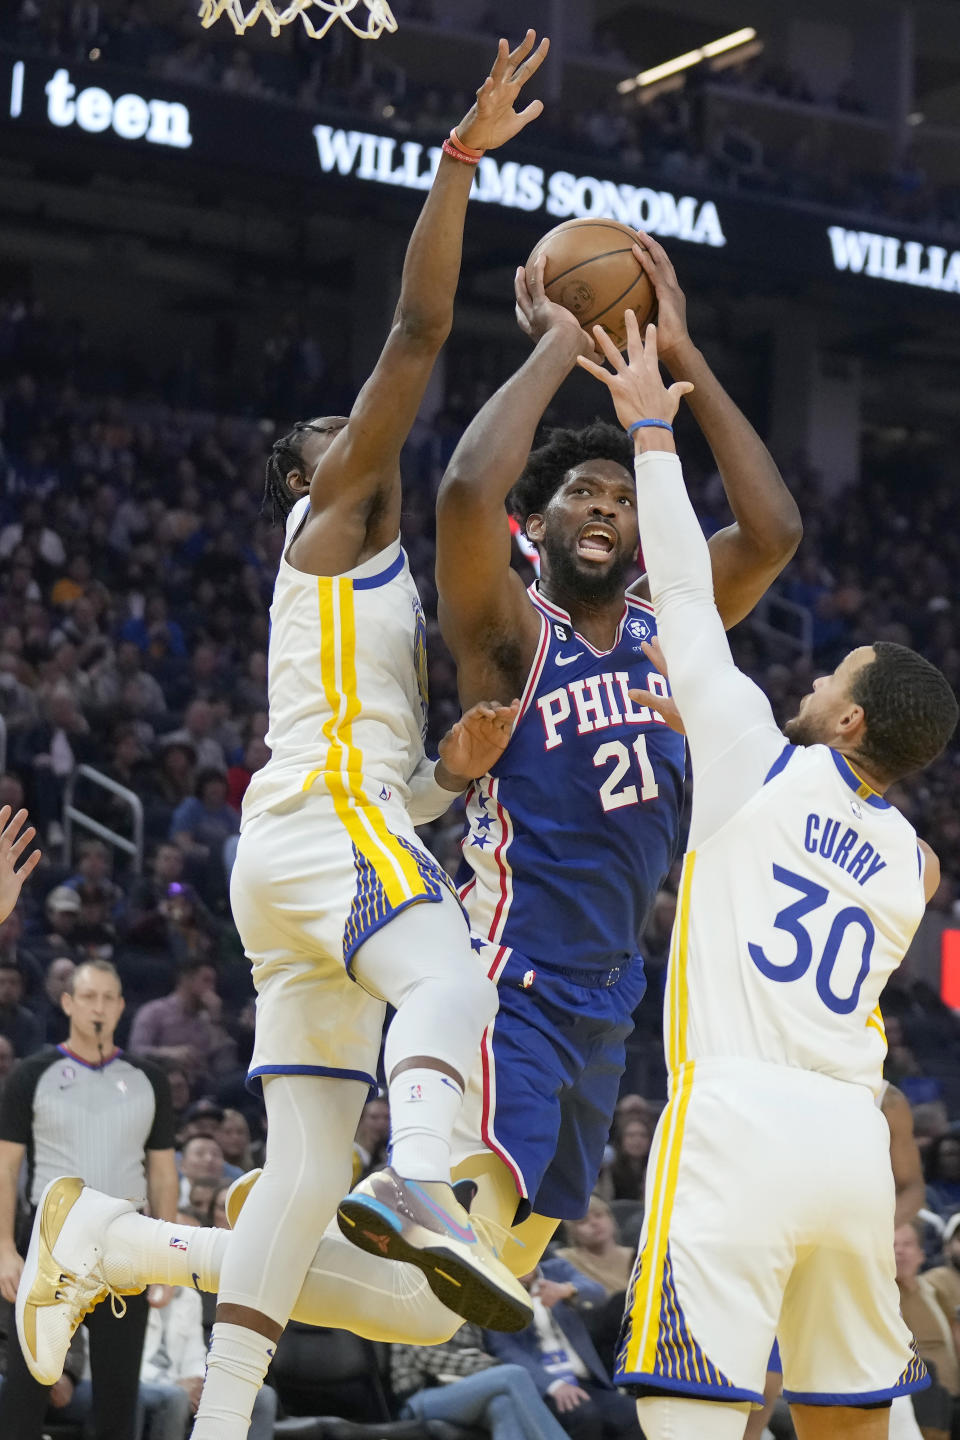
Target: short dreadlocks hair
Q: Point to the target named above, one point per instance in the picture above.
(548, 466)
(909, 709)
(286, 455)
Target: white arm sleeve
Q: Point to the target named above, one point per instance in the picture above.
(428, 800)
(731, 731)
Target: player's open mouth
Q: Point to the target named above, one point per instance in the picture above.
(596, 541)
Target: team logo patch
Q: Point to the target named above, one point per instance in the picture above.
(529, 978)
(639, 629)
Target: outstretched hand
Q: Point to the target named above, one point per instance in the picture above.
(664, 705)
(636, 383)
(492, 121)
(536, 313)
(13, 841)
(475, 743)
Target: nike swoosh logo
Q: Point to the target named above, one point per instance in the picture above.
(568, 659)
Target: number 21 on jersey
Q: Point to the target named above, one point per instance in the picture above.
(614, 793)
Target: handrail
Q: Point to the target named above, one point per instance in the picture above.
(72, 816)
(773, 616)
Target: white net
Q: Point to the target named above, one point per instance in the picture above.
(378, 16)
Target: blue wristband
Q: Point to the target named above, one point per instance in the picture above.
(643, 424)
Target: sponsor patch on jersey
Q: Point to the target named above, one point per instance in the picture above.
(638, 628)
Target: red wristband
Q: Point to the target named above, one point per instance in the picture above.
(465, 150)
(450, 149)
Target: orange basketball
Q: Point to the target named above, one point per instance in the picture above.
(592, 271)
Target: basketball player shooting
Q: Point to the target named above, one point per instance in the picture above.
(770, 1198)
(340, 908)
(572, 833)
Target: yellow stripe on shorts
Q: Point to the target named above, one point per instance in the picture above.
(342, 771)
(645, 1312)
(677, 1029)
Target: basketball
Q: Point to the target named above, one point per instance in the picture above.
(592, 271)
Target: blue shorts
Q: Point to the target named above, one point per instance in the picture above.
(544, 1096)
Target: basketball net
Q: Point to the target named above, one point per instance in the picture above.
(378, 18)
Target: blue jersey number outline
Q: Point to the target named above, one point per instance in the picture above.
(812, 897)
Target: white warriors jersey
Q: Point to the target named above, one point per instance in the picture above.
(791, 918)
(347, 685)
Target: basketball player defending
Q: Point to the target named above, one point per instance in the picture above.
(330, 884)
(770, 1198)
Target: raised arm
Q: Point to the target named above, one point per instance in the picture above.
(748, 555)
(356, 482)
(730, 727)
(480, 594)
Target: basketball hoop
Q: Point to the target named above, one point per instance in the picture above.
(379, 17)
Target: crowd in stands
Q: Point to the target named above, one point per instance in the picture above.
(674, 138)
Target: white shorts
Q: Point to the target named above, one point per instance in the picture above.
(769, 1212)
(305, 896)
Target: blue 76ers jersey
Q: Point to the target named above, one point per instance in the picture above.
(571, 834)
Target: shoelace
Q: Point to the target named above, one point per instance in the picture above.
(84, 1295)
(493, 1234)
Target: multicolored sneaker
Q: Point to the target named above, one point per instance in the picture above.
(423, 1223)
(63, 1275)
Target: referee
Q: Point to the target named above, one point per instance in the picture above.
(85, 1108)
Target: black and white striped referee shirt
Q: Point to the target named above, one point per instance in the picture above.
(96, 1121)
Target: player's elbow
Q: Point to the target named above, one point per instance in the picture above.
(783, 539)
(425, 327)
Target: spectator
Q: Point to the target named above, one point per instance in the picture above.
(17, 1023)
(255, 756)
(85, 1109)
(944, 1279)
(200, 826)
(179, 1083)
(373, 1135)
(561, 1359)
(197, 732)
(48, 1007)
(233, 1135)
(594, 1251)
(628, 1172)
(62, 911)
(204, 1117)
(202, 1163)
(461, 1384)
(941, 1166)
(94, 871)
(184, 1026)
(921, 1310)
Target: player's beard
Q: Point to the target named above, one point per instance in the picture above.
(804, 730)
(587, 582)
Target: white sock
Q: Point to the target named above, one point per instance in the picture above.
(237, 1361)
(423, 1109)
(141, 1251)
